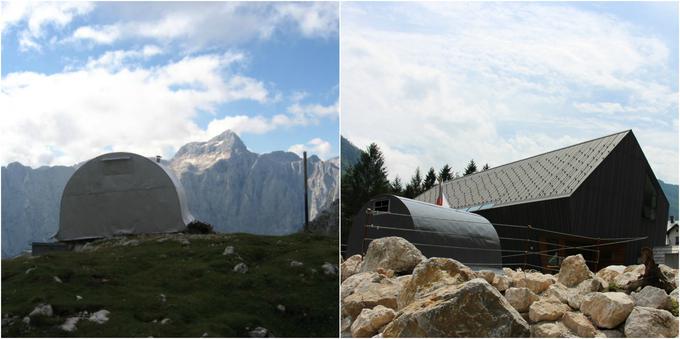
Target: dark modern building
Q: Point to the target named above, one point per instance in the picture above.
(602, 188)
(436, 231)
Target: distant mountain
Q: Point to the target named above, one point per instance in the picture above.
(30, 204)
(226, 185)
(671, 192)
(328, 221)
(240, 191)
(349, 153)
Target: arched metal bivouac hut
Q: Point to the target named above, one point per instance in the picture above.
(436, 231)
(121, 193)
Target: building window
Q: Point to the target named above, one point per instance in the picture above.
(381, 206)
(676, 241)
(649, 201)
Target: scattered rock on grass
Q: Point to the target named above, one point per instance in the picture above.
(329, 269)
(295, 263)
(258, 332)
(241, 268)
(42, 309)
(70, 324)
(229, 250)
(99, 317)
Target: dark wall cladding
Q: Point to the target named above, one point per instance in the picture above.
(435, 230)
(609, 191)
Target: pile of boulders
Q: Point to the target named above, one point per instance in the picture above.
(394, 291)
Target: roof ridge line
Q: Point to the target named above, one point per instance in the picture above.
(537, 155)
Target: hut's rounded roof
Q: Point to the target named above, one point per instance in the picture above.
(435, 230)
(121, 193)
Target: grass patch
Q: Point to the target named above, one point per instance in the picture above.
(673, 306)
(202, 293)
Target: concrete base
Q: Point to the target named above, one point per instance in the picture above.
(39, 248)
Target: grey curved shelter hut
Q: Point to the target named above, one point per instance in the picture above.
(121, 193)
(436, 231)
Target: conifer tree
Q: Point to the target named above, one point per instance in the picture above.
(445, 173)
(397, 187)
(415, 186)
(366, 179)
(430, 179)
(470, 168)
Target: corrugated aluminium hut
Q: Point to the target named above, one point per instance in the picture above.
(435, 230)
(121, 193)
(602, 188)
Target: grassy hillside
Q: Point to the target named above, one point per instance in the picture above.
(202, 292)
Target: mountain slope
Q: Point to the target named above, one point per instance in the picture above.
(30, 204)
(246, 192)
(671, 192)
(143, 280)
(226, 185)
(349, 153)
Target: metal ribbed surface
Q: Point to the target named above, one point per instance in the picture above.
(554, 174)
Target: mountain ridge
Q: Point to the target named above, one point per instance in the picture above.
(226, 185)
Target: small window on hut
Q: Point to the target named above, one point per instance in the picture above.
(381, 206)
(117, 166)
(649, 201)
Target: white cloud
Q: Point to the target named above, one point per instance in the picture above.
(436, 83)
(316, 146)
(36, 16)
(100, 35)
(81, 113)
(240, 124)
(297, 115)
(207, 24)
(120, 58)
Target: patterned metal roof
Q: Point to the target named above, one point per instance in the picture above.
(549, 175)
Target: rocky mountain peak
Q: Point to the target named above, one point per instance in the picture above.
(202, 155)
(228, 139)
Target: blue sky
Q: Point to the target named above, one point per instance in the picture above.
(80, 79)
(499, 82)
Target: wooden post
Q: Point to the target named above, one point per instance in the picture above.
(369, 216)
(304, 160)
(526, 247)
(597, 258)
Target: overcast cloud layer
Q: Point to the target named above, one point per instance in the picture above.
(140, 77)
(443, 83)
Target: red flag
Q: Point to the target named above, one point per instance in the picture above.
(441, 198)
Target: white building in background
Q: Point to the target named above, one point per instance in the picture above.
(668, 254)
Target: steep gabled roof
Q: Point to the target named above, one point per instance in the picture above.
(549, 175)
